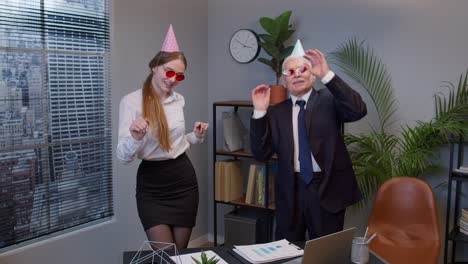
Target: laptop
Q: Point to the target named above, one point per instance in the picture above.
(329, 249)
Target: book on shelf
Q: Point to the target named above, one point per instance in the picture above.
(464, 212)
(249, 193)
(233, 131)
(464, 231)
(229, 180)
(463, 221)
(256, 184)
(233, 180)
(219, 171)
(464, 225)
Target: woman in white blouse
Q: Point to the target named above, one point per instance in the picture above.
(152, 128)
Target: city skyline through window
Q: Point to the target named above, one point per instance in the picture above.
(55, 120)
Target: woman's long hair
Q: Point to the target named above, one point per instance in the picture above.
(152, 106)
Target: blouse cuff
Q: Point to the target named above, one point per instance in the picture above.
(134, 144)
(193, 139)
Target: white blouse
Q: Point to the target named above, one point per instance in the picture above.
(148, 147)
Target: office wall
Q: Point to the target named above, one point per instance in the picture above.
(423, 43)
(138, 29)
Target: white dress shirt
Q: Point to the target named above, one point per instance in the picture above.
(295, 113)
(148, 147)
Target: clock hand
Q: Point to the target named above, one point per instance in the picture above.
(240, 43)
(243, 45)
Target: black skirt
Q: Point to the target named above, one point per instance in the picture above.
(167, 193)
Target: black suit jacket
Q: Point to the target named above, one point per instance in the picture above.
(326, 110)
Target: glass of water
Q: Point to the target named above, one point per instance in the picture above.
(360, 250)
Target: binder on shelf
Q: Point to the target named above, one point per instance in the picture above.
(463, 222)
(256, 184)
(233, 180)
(219, 172)
(249, 194)
(233, 131)
(260, 186)
(464, 213)
(229, 180)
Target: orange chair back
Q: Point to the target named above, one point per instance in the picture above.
(405, 217)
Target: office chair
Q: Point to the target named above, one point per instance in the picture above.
(405, 217)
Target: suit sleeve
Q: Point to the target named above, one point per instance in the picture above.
(348, 103)
(260, 138)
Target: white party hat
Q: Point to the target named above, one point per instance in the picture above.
(298, 51)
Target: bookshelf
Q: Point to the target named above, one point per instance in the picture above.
(456, 178)
(218, 153)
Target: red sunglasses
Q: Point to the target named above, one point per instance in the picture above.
(297, 70)
(178, 76)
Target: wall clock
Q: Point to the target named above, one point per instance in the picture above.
(244, 46)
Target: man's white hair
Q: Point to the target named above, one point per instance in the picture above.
(294, 57)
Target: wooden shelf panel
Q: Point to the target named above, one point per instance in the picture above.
(239, 153)
(459, 175)
(240, 103)
(241, 201)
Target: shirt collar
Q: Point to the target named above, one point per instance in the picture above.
(171, 98)
(305, 97)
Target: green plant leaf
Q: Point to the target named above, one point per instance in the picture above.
(267, 24)
(285, 36)
(278, 31)
(267, 62)
(196, 260)
(271, 50)
(213, 260)
(204, 258)
(286, 52)
(282, 24)
(381, 153)
(267, 38)
(362, 64)
(457, 101)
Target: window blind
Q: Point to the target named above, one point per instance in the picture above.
(55, 120)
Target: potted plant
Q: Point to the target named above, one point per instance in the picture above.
(278, 30)
(204, 259)
(383, 152)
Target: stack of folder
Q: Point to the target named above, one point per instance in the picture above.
(229, 180)
(464, 221)
(256, 183)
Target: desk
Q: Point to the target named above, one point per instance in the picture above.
(226, 253)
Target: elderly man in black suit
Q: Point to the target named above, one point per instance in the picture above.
(315, 181)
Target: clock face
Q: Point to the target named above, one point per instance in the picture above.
(244, 46)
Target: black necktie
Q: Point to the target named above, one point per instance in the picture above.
(305, 159)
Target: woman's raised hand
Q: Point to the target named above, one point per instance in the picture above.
(139, 127)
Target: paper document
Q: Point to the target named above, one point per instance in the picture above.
(187, 258)
(263, 253)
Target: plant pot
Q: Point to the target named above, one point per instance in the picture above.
(278, 93)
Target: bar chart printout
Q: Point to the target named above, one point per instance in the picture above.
(263, 253)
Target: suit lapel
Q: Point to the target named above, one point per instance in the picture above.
(311, 110)
(311, 104)
(288, 125)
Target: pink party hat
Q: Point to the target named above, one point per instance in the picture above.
(170, 42)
